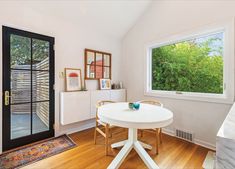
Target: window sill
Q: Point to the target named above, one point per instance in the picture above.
(212, 98)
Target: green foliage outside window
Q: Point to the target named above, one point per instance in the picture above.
(21, 50)
(191, 66)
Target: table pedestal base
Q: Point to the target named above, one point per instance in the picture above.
(122, 143)
(132, 142)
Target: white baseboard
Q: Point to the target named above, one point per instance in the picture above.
(205, 144)
(196, 141)
(77, 129)
(168, 132)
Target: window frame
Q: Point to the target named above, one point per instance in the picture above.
(228, 64)
(95, 64)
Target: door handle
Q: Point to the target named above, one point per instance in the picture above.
(7, 98)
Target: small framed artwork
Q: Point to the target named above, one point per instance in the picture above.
(73, 79)
(105, 84)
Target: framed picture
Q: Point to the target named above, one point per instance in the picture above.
(73, 79)
(105, 84)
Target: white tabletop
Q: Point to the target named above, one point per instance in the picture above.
(148, 116)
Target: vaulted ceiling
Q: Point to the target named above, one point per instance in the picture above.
(112, 17)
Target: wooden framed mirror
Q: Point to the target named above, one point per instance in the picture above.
(97, 64)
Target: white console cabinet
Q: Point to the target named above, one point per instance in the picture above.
(95, 97)
(80, 106)
(118, 95)
(74, 107)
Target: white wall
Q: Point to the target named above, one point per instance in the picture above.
(162, 19)
(70, 41)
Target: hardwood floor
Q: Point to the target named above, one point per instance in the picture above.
(173, 154)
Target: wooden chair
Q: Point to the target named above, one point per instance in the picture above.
(106, 133)
(157, 131)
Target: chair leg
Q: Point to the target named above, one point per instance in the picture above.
(106, 139)
(160, 135)
(157, 140)
(110, 133)
(141, 133)
(95, 135)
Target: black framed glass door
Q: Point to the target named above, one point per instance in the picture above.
(28, 94)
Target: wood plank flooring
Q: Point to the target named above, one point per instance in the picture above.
(173, 154)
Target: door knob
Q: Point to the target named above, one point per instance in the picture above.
(7, 98)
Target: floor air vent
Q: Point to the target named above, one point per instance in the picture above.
(184, 135)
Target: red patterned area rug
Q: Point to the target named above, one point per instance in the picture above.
(34, 152)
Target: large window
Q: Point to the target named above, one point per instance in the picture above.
(197, 66)
(194, 65)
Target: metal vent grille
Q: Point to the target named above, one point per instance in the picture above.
(184, 135)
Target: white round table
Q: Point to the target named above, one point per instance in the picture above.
(147, 117)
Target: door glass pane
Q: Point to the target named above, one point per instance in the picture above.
(20, 86)
(99, 59)
(99, 71)
(106, 60)
(20, 52)
(40, 54)
(40, 85)
(40, 117)
(107, 72)
(20, 120)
